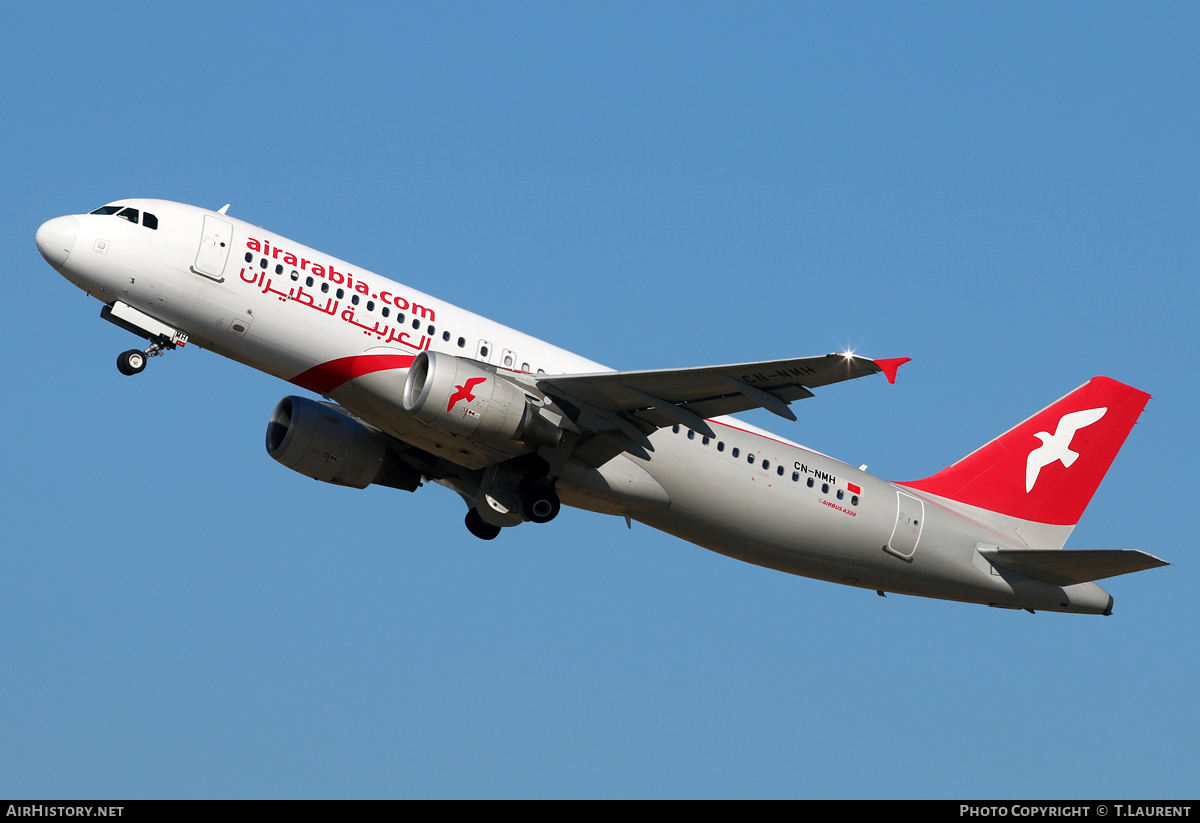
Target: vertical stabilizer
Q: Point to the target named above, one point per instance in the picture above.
(1047, 468)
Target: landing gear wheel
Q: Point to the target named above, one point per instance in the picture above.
(131, 362)
(476, 526)
(540, 503)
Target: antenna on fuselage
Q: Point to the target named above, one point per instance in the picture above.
(223, 209)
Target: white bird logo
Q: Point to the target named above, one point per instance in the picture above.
(1058, 446)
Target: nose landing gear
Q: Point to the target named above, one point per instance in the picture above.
(131, 362)
(134, 362)
(161, 336)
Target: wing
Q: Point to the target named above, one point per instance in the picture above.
(629, 405)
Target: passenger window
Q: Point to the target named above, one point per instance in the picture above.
(416, 323)
(704, 442)
(720, 445)
(854, 500)
(750, 459)
(824, 488)
(354, 299)
(385, 311)
(249, 256)
(766, 464)
(810, 482)
(324, 288)
(340, 294)
(735, 451)
(675, 428)
(308, 281)
(779, 470)
(446, 336)
(399, 317)
(263, 265)
(370, 305)
(279, 268)
(840, 494)
(795, 477)
(508, 361)
(149, 220)
(691, 435)
(462, 341)
(525, 368)
(295, 275)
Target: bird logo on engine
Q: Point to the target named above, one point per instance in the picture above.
(464, 391)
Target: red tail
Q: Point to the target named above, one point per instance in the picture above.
(1047, 468)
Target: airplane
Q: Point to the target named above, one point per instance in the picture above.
(416, 390)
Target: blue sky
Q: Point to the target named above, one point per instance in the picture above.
(1006, 193)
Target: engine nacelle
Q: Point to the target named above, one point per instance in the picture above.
(460, 397)
(322, 441)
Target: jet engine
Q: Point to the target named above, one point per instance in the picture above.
(461, 397)
(323, 441)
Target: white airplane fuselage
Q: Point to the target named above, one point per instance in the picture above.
(350, 334)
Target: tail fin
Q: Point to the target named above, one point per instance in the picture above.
(1046, 469)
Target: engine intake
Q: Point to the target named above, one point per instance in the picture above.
(460, 397)
(323, 441)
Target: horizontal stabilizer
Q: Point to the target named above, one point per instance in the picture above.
(1067, 567)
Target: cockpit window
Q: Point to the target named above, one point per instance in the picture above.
(149, 220)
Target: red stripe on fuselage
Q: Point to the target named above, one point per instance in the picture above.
(328, 376)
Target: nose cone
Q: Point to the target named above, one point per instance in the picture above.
(56, 238)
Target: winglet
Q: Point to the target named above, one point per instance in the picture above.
(890, 366)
